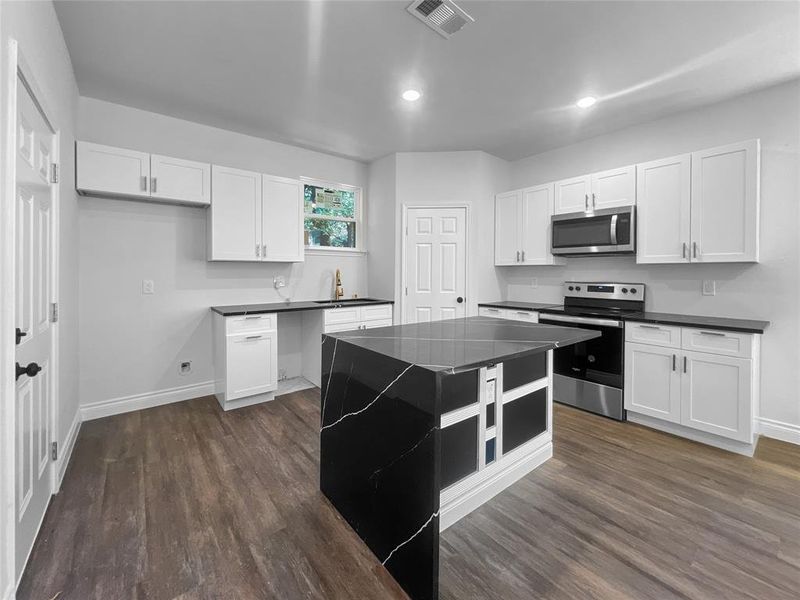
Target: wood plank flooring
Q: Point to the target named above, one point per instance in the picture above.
(187, 502)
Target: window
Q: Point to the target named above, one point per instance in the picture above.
(332, 215)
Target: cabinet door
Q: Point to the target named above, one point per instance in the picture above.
(181, 180)
(235, 215)
(725, 203)
(612, 188)
(572, 195)
(663, 205)
(282, 219)
(112, 171)
(653, 381)
(507, 228)
(717, 395)
(537, 208)
(252, 364)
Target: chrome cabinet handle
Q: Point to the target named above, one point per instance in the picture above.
(683, 251)
(674, 358)
(153, 185)
(493, 309)
(517, 255)
(684, 364)
(594, 202)
(649, 327)
(258, 250)
(523, 256)
(253, 317)
(253, 337)
(264, 250)
(694, 249)
(586, 201)
(143, 183)
(714, 333)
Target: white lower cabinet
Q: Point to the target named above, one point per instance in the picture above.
(246, 357)
(709, 391)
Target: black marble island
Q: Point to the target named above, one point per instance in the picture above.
(423, 423)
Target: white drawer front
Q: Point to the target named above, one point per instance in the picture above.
(374, 324)
(649, 333)
(243, 323)
(528, 316)
(337, 328)
(488, 311)
(376, 313)
(717, 342)
(348, 314)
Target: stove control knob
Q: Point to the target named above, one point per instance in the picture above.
(633, 290)
(624, 290)
(577, 288)
(571, 288)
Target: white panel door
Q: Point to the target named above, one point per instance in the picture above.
(282, 219)
(725, 203)
(435, 264)
(537, 208)
(112, 171)
(252, 364)
(34, 282)
(717, 395)
(235, 215)
(572, 195)
(507, 228)
(663, 206)
(612, 188)
(653, 381)
(181, 180)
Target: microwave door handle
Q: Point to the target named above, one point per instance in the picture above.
(614, 230)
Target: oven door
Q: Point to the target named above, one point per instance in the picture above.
(607, 231)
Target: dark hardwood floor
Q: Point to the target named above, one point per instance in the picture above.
(185, 501)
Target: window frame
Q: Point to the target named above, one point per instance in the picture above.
(358, 192)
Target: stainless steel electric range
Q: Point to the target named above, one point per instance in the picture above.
(590, 375)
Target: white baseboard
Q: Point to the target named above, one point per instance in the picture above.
(786, 432)
(486, 490)
(65, 452)
(9, 592)
(693, 434)
(117, 406)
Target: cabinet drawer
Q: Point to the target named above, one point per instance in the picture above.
(380, 323)
(717, 342)
(658, 335)
(488, 311)
(376, 313)
(528, 316)
(343, 315)
(244, 323)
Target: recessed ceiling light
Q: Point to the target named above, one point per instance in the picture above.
(411, 95)
(586, 102)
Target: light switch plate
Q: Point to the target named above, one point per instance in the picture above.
(148, 286)
(709, 287)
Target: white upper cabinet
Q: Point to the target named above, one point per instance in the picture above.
(234, 220)
(522, 227)
(282, 219)
(663, 204)
(105, 170)
(507, 228)
(725, 203)
(613, 188)
(183, 181)
(572, 195)
(537, 208)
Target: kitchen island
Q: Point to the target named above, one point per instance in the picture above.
(423, 423)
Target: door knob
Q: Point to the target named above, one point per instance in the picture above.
(31, 370)
(20, 334)
(459, 299)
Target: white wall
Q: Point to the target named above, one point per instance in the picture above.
(428, 178)
(768, 290)
(36, 29)
(132, 344)
(383, 227)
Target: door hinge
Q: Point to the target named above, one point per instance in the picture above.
(54, 312)
(54, 450)
(53, 173)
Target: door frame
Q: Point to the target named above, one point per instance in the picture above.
(404, 241)
(18, 68)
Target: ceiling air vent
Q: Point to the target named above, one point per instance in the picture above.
(443, 16)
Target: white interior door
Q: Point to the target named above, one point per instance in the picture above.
(34, 284)
(436, 265)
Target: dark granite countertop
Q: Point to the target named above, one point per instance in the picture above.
(514, 305)
(270, 307)
(456, 345)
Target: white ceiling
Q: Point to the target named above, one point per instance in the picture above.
(328, 75)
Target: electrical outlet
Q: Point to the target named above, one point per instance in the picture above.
(148, 286)
(281, 374)
(185, 368)
(709, 287)
(534, 282)
(279, 281)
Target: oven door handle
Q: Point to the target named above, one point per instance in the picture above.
(579, 320)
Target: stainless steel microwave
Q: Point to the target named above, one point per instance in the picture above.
(605, 231)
